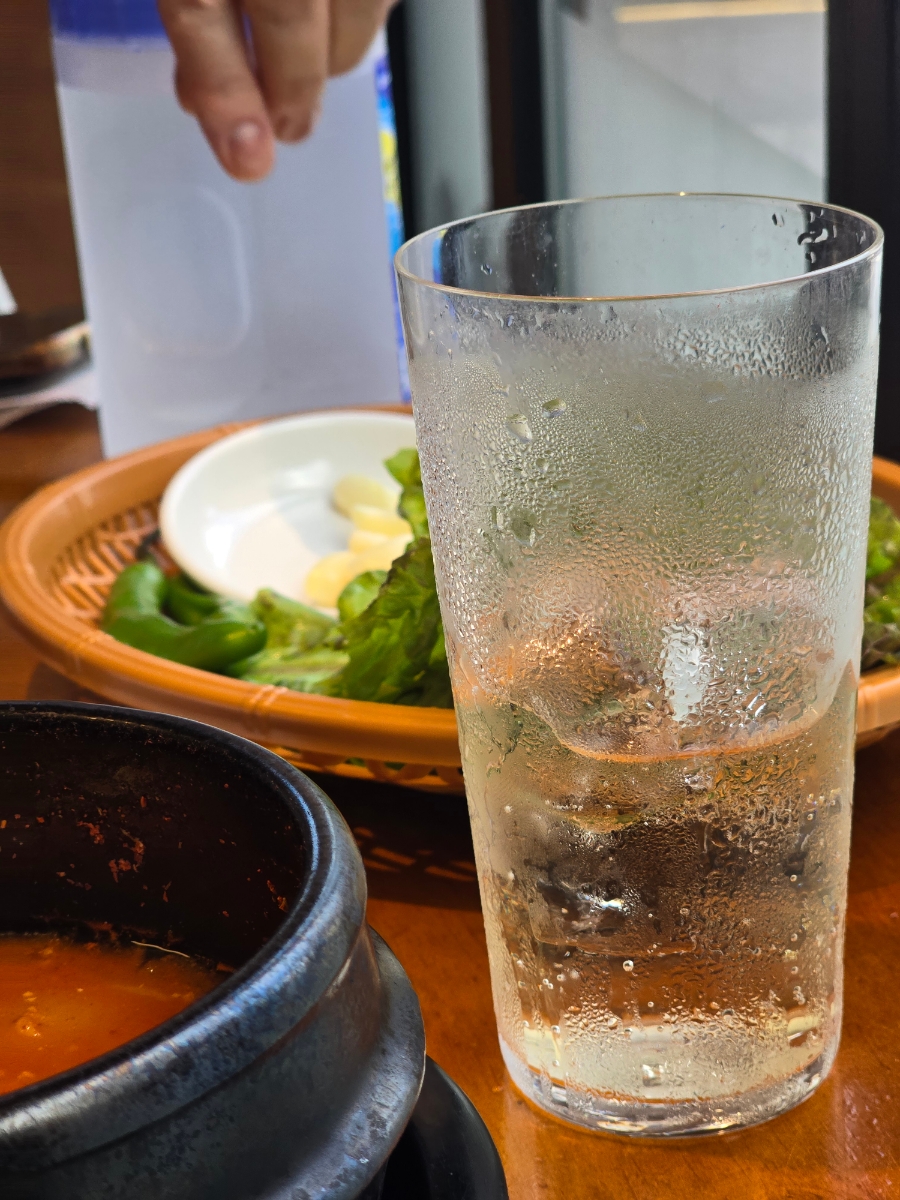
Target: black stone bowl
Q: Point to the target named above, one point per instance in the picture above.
(294, 1077)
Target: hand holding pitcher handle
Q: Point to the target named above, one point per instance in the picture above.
(252, 71)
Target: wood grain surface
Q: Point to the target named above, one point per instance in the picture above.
(844, 1142)
(37, 246)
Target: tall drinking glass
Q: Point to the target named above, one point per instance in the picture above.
(645, 426)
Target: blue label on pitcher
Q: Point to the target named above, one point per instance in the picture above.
(390, 176)
(121, 20)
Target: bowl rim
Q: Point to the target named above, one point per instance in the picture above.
(300, 960)
(187, 476)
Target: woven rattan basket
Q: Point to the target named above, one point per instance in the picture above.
(61, 550)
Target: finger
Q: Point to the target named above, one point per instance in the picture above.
(290, 41)
(214, 81)
(354, 24)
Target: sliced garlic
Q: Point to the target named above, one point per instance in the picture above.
(377, 520)
(328, 578)
(380, 557)
(364, 539)
(359, 489)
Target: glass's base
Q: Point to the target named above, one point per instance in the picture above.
(666, 1118)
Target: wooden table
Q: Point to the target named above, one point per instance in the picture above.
(843, 1142)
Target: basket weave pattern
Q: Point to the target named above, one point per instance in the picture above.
(81, 577)
(80, 580)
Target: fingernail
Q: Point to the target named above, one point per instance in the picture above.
(246, 134)
(293, 129)
(245, 141)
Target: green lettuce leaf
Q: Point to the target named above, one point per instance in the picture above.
(299, 651)
(404, 467)
(884, 539)
(359, 594)
(392, 645)
(881, 618)
(388, 644)
(303, 671)
(290, 624)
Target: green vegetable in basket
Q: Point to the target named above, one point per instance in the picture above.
(290, 623)
(391, 626)
(299, 651)
(388, 644)
(881, 619)
(404, 467)
(396, 644)
(211, 633)
(884, 539)
(302, 671)
(359, 594)
(881, 625)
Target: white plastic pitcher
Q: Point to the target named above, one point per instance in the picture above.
(212, 300)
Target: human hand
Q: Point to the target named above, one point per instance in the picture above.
(246, 90)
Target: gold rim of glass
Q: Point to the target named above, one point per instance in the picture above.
(868, 252)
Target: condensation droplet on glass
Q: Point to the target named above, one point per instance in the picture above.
(487, 268)
(627, 965)
(522, 528)
(518, 425)
(554, 407)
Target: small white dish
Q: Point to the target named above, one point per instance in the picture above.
(254, 509)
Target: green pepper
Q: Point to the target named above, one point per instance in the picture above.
(188, 604)
(134, 614)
